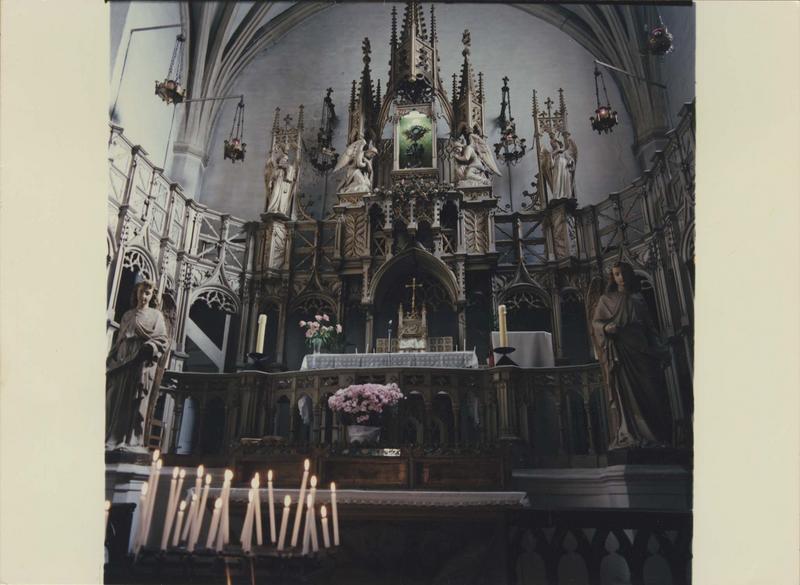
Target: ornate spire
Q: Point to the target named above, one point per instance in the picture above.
(353, 95)
(364, 105)
(276, 121)
(467, 95)
(378, 96)
(300, 118)
(433, 24)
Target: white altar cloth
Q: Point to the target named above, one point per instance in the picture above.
(439, 359)
(534, 349)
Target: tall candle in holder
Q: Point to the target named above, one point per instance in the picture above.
(271, 507)
(287, 504)
(326, 539)
(335, 515)
(226, 507)
(107, 507)
(181, 511)
(168, 516)
(255, 484)
(501, 318)
(262, 329)
(212, 531)
(300, 502)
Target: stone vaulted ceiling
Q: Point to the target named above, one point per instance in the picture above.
(223, 38)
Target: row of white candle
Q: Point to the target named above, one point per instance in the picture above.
(219, 530)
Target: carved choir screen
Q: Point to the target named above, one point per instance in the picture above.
(409, 204)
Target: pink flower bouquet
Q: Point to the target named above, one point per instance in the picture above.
(362, 401)
(320, 328)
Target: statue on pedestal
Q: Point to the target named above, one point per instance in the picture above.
(357, 162)
(632, 356)
(279, 176)
(558, 165)
(131, 369)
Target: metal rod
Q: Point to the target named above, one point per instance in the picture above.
(125, 57)
(213, 99)
(630, 74)
(510, 192)
(169, 137)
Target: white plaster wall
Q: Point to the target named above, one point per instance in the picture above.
(317, 54)
(145, 118)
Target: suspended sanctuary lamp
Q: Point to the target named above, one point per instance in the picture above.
(659, 39)
(324, 156)
(170, 90)
(511, 147)
(234, 147)
(605, 117)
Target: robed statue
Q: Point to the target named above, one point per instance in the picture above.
(558, 165)
(357, 164)
(475, 162)
(632, 356)
(279, 176)
(131, 369)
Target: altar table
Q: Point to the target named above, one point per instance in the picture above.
(439, 359)
(534, 349)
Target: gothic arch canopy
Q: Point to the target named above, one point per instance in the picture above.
(216, 297)
(411, 259)
(138, 259)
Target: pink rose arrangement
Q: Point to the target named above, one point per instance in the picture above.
(363, 400)
(321, 328)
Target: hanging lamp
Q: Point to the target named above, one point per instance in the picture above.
(234, 147)
(170, 90)
(324, 156)
(605, 118)
(659, 39)
(511, 147)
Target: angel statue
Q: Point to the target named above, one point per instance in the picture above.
(357, 161)
(475, 163)
(131, 369)
(278, 177)
(558, 165)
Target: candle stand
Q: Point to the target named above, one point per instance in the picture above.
(262, 565)
(505, 360)
(258, 361)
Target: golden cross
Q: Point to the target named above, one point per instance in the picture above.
(414, 286)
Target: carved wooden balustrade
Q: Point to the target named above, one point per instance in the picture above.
(551, 416)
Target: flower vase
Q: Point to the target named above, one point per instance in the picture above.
(363, 434)
(316, 344)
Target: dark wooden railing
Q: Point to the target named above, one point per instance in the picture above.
(550, 416)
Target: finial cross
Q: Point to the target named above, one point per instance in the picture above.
(414, 286)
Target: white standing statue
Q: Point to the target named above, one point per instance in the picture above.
(475, 163)
(558, 165)
(357, 160)
(279, 176)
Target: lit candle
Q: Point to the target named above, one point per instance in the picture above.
(152, 502)
(178, 524)
(170, 502)
(334, 513)
(256, 484)
(312, 498)
(191, 517)
(262, 329)
(212, 531)
(300, 501)
(307, 531)
(142, 516)
(107, 507)
(225, 520)
(313, 517)
(287, 503)
(326, 539)
(501, 317)
(200, 513)
(271, 507)
(246, 537)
